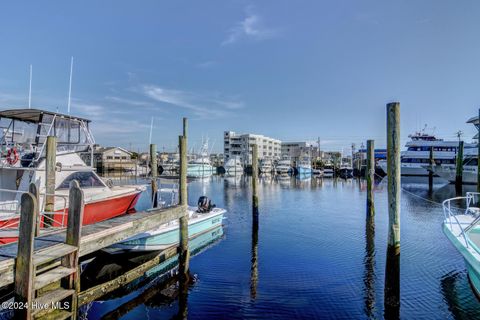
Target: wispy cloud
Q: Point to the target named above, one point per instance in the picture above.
(202, 105)
(206, 64)
(93, 111)
(251, 27)
(128, 101)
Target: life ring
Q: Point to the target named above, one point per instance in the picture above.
(12, 156)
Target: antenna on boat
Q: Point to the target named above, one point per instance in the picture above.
(70, 85)
(30, 90)
(151, 129)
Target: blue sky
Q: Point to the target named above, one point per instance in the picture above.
(293, 70)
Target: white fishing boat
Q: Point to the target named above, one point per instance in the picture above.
(328, 171)
(304, 167)
(200, 220)
(22, 162)
(284, 166)
(233, 167)
(266, 166)
(461, 226)
(201, 166)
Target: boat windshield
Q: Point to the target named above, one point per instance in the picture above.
(27, 132)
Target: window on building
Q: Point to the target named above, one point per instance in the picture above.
(109, 157)
(86, 179)
(117, 158)
(124, 158)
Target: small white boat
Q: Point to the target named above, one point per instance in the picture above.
(328, 171)
(462, 229)
(167, 234)
(233, 167)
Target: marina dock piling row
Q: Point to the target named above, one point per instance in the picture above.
(255, 179)
(50, 165)
(393, 173)
(154, 171)
(370, 175)
(459, 163)
(184, 252)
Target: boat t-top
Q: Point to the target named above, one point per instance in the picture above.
(23, 139)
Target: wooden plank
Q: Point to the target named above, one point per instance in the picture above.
(51, 276)
(50, 297)
(53, 252)
(100, 290)
(24, 270)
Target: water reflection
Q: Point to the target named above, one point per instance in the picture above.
(392, 284)
(254, 260)
(461, 303)
(157, 288)
(369, 263)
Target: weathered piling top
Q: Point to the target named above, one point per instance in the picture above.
(94, 237)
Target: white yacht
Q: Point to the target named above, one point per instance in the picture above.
(233, 167)
(201, 166)
(266, 166)
(284, 166)
(416, 158)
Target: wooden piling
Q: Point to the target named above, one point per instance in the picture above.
(32, 188)
(24, 267)
(50, 165)
(393, 173)
(459, 165)
(185, 128)
(74, 229)
(255, 178)
(392, 266)
(370, 173)
(154, 171)
(430, 172)
(184, 252)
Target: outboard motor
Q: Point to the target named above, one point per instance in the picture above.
(204, 205)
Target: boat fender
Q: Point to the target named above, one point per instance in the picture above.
(12, 156)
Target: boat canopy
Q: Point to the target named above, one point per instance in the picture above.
(35, 115)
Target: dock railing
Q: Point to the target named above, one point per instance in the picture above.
(452, 212)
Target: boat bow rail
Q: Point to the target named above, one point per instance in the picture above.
(453, 214)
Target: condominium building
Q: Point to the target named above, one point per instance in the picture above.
(240, 146)
(297, 150)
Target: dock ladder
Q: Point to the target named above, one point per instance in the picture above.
(47, 281)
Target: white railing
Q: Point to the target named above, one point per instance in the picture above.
(451, 212)
(12, 208)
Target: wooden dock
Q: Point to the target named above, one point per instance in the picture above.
(93, 237)
(44, 269)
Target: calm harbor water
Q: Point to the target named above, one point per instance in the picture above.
(313, 257)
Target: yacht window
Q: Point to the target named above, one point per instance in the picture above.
(86, 179)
